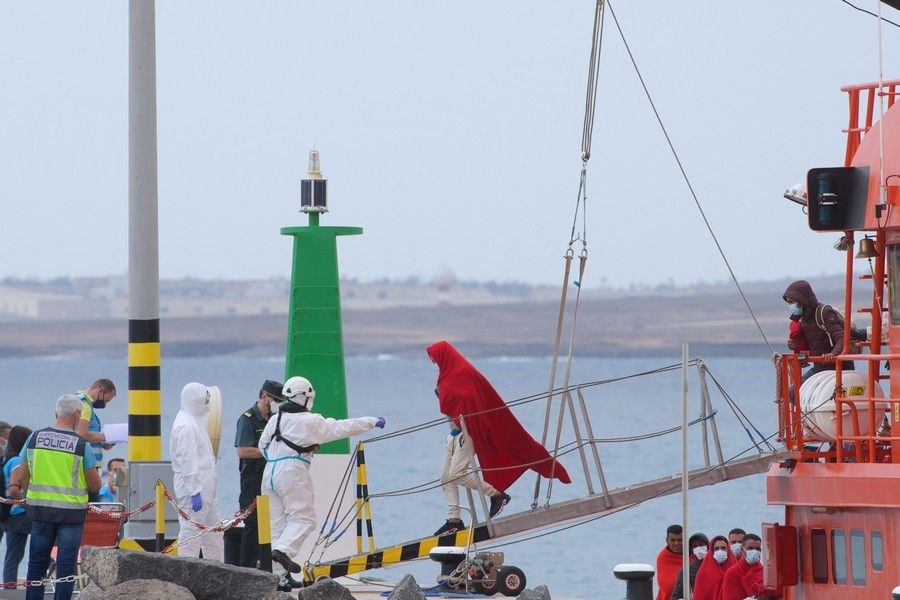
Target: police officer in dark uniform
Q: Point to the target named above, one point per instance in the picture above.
(250, 426)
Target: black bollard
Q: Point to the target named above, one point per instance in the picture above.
(638, 578)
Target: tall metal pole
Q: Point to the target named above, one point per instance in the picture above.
(144, 442)
(685, 550)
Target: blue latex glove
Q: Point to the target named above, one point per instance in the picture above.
(380, 423)
(196, 502)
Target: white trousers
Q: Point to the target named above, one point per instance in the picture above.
(291, 506)
(212, 544)
(458, 471)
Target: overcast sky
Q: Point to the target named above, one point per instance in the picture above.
(450, 131)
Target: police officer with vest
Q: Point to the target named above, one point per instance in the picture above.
(58, 470)
(250, 426)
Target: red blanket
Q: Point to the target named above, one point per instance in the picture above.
(501, 443)
(708, 585)
(667, 566)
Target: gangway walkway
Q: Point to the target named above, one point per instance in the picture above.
(569, 511)
(599, 501)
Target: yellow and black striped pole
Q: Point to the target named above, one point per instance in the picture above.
(160, 516)
(144, 406)
(362, 501)
(264, 533)
(144, 442)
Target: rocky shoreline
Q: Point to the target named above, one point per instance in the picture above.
(123, 574)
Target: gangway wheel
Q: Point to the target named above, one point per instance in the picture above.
(510, 582)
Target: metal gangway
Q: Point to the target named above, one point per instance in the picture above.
(600, 501)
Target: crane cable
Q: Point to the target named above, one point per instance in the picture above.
(687, 181)
(590, 102)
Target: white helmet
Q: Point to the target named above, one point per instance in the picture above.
(299, 391)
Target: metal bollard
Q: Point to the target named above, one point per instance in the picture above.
(638, 578)
(160, 516)
(264, 533)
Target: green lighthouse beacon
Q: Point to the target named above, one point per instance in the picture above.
(315, 344)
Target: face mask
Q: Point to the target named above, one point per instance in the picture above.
(736, 548)
(720, 556)
(700, 552)
(3, 445)
(99, 404)
(795, 310)
(752, 556)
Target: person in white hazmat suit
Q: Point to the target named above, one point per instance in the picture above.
(288, 443)
(194, 465)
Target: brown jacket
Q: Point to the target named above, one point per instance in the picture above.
(801, 293)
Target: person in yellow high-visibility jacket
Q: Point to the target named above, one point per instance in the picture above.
(56, 474)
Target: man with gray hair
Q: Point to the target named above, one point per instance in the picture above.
(57, 500)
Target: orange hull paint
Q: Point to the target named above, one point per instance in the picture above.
(843, 497)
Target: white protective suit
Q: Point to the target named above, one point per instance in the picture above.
(286, 479)
(195, 471)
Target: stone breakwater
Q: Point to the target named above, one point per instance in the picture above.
(123, 575)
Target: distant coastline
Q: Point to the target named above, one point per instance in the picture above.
(714, 323)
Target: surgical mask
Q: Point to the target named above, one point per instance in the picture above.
(752, 556)
(3, 445)
(795, 310)
(736, 548)
(721, 556)
(700, 552)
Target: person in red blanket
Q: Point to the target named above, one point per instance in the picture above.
(745, 579)
(720, 558)
(504, 449)
(668, 562)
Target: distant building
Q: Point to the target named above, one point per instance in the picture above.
(17, 303)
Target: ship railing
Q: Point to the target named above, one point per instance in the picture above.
(846, 447)
(856, 129)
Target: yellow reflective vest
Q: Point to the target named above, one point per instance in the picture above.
(57, 492)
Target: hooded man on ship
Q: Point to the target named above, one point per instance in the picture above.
(821, 324)
(504, 449)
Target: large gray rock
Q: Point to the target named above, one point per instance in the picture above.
(284, 596)
(146, 589)
(91, 592)
(539, 593)
(407, 589)
(325, 589)
(206, 579)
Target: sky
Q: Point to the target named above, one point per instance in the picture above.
(450, 131)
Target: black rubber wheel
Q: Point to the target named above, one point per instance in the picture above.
(510, 581)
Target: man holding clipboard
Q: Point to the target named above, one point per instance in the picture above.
(101, 393)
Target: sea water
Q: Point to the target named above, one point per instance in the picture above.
(577, 560)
